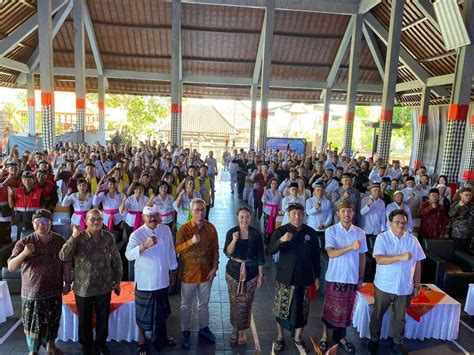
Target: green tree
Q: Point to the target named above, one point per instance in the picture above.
(402, 115)
(143, 112)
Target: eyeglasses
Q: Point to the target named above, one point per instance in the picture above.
(42, 222)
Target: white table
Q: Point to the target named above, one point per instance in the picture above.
(122, 324)
(469, 306)
(442, 322)
(6, 308)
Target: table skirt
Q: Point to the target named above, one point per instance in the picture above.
(122, 324)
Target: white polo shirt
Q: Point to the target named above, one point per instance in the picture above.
(397, 278)
(344, 268)
(152, 267)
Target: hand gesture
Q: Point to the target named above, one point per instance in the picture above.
(196, 238)
(346, 196)
(286, 237)
(405, 256)
(260, 281)
(66, 288)
(75, 231)
(356, 245)
(29, 249)
(235, 236)
(151, 241)
(370, 202)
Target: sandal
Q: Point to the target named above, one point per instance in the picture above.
(142, 350)
(233, 337)
(347, 347)
(323, 345)
(278, 345)
(242, 340)
(301, 346)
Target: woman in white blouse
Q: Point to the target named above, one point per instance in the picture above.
(81, 201)
(319, 210)
(111, 201)
(132, 208)
(271, 200)
(181, 205)
(164, 201)
(302, 190)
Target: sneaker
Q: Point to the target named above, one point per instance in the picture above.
(186, 339)
(207, 334)
(398, 349)
(373, 347)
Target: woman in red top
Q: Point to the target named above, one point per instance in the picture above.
(261, 179)
(433, 220)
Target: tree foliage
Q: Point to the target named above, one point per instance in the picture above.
(143, 112)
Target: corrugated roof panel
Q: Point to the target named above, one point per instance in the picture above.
(196, 67)
(310, 23)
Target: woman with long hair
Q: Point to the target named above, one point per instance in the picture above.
(132, 207)
(181, 204)
(111, 201)
(164, 201)
(271, 200)
(244, 272)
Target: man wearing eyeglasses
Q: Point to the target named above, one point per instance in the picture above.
(198, 249)
(398, 255)
(44, 277)
(152, 248)
(97, 271)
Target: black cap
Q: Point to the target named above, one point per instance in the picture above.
(293, 184)
(295, 206)
(319, 184)
(27, 175)
(42, 213)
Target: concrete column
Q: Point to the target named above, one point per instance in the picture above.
(253, 115)
(422, 122)
(176, 109)
(266, 72)
(101, 92)
(327, 104)
(353, 79)
(30, 104)
(80, 65)
(390, 79)
(46, 72)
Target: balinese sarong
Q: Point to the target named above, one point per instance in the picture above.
(41, 320)
(339, 300)
(291, 305)
(240, 302)
(152, 308)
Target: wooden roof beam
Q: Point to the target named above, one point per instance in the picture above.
(421, 74)
(25, 29)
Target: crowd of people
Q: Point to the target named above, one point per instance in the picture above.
(151, 203)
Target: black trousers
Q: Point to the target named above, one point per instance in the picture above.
(101, 306)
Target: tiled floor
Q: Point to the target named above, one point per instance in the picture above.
(262, 333)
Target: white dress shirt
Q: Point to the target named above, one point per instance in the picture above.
(153, 265)
(318, 216)
(165, 207)
(373, 216)
(132, 204)
(344, 268)
(109, 203)
(397, 278)
(394, 206)
(78, 205)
